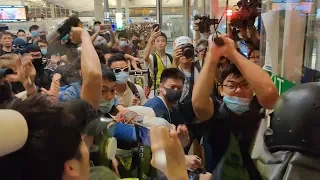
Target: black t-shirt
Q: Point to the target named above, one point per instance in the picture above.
(219, 129)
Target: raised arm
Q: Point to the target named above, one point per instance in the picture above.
(148, 49)
(90, 68)
(201, 101)
(257, 78)
(112, 41)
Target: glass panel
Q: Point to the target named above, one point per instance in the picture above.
(292, 53)
(172, 20)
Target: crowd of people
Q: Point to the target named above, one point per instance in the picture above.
(203, 105)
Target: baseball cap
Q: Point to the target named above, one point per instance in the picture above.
(181, 41)
(5, 71)
(19, 42)
(100, 41)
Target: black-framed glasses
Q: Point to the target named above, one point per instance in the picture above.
(117, 70)
(234, 87)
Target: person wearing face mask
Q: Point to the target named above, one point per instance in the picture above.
(34, 30)
(43, 44)
(123, 44)
(135, 44)
(171, 86)
(128, 93)
(231, 125)
(42, 79)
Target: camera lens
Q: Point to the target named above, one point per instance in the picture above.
(188, 51)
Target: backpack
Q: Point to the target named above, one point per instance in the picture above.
(155, 68)
(134, 89)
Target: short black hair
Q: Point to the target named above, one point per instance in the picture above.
(96, 22)
(6, 33)
(33, 27)
(123, 35)
(21, 30)
(135, 34)
(108, 74)
(115, 58)
(230, 69)
(41, 41)
(172, 73)
(53, 139)
(107, 50)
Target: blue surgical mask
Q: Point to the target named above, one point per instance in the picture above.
(236, 104)
(105, 106)
(123, 44)
(122, 77)
(65, 37)
(44, 51)
(35, 33)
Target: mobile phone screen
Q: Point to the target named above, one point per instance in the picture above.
(143, 134)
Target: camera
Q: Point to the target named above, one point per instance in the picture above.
(247, 13)
(205, 23)
(188, 50)
(65, 28)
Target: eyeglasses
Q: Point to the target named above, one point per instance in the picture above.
(234, 87)
(117, 70)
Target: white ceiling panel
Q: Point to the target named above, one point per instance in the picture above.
(88, 5)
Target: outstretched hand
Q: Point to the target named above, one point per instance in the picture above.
(26, 71)
(167, 152)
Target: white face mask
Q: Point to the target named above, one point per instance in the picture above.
(123, 44)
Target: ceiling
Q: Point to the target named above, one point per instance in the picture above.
(88, 5)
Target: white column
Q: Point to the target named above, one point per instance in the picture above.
(98, 10)
(119, 10)
(127, 10)
(52, 11)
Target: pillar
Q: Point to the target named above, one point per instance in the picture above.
(52, 11)
(127, 13)
(159, 10)
(119, 6)
(98, 10)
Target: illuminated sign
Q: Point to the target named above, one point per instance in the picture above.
(119, 20)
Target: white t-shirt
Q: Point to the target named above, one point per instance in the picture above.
(125, 98)
(165, 60)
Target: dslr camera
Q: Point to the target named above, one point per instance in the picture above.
(247, 13)
(205, 22)
(187, 50)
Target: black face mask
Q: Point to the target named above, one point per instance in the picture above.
(135, 42)
(172, 95)
(37, 63)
